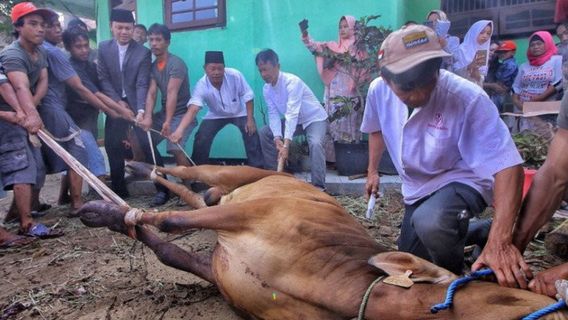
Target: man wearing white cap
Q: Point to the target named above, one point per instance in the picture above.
(451, 150)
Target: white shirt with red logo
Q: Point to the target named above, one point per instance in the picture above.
(456, 137)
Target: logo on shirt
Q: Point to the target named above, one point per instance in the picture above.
(438, 122)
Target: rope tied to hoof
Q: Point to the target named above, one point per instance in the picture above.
(131, 219)
(448, 302)
(366, 296)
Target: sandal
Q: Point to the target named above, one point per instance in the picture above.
(17, 241)
(40, 231)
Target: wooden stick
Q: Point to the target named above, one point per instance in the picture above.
(102, 189)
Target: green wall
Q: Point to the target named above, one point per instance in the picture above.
(251, 26)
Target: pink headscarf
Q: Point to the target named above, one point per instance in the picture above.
(342, 46)
(549, 47)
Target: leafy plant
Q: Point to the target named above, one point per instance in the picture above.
(361, 68)
(532, 147)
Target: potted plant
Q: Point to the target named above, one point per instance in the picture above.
(351, 151)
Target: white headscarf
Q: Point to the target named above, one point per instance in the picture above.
(469, 47)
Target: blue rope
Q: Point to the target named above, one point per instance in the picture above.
(454, 286)
(546, 310)
(482, 273)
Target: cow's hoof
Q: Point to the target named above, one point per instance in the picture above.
(100, 213)
(212, 196)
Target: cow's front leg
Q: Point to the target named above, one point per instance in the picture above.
(226, 178)
(227, 217)
(105, 214)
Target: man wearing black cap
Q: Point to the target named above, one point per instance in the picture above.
(61, 76)
(230, 100)
(124, 72)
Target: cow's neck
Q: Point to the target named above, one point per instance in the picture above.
(476, 300)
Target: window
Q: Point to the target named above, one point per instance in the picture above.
(510, 17)
(194, 14)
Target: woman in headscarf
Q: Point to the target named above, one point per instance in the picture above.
(472, 58)
(450, 44)
(338, 81)
(539, 79)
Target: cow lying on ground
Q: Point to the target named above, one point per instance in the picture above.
(288, 251)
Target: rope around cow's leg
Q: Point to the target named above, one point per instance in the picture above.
(454, 286)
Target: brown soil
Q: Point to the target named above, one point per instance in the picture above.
(99, 274)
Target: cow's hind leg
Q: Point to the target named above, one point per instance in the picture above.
(104, 214)
(226, 178)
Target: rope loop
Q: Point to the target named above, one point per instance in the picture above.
(448, 302)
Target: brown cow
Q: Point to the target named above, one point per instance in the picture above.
(288, 251)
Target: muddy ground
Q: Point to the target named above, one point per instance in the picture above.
(99, 274)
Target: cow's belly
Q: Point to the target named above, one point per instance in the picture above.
(239, 278)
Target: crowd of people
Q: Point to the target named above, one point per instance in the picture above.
(435, 108)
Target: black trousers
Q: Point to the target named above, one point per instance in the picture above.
(115, 132)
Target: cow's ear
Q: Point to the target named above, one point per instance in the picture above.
(396, 263)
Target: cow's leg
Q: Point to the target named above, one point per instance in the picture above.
(176, 257)
(226, 178)
(228, 217)
(104, 214)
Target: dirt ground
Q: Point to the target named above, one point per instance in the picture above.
(99, 274)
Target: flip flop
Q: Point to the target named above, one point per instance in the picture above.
(40, 231)
(17, 241)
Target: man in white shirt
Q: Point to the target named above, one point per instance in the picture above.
(230, 100)
(286, 94)
(451, 150)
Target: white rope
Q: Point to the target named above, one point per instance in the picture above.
(102, 189)
(177, 145)
(149, 135)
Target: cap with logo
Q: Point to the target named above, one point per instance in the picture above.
(409, 46)
(25, 8)
(507, 45)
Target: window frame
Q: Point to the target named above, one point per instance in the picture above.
(220, 21)
(465, 12)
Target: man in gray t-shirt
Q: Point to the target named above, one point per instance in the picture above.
(169, 75)
(24, 65)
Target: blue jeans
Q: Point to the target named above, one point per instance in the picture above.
(315, 134)
(96, 161)
(209, 129)
(432, 230)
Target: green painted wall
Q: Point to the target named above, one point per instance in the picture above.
(251, 26)
(417, 10)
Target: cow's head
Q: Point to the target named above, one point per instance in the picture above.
(475, 300)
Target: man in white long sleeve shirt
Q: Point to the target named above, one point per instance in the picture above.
(286, 94)
(230, 100)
